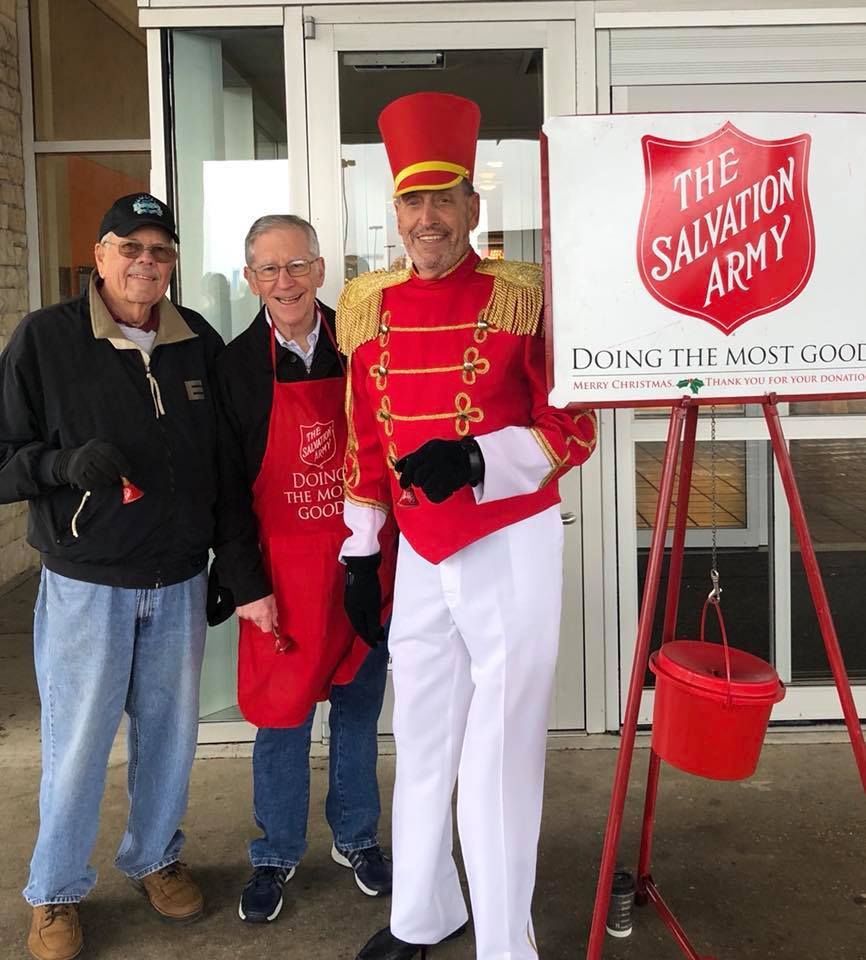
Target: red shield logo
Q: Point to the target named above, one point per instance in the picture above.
(726, 231)
(318, 443)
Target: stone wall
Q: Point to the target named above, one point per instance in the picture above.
(16, 556)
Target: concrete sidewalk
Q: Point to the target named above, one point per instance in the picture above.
(772, 867)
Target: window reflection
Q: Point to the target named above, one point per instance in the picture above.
(730, 484)
(231, 167)
(230, 160)
(744, 559)
(89, 70)
(507, 86)
(74, 192)
(830, 477)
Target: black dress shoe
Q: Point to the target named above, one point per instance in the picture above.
(385, 946)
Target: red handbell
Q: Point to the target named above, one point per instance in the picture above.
(407, 498)
(131, 492)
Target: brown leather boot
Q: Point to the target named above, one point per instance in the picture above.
(55, 932)
(173, 893)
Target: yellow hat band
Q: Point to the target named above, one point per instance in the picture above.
(418, 187)
(428, 166)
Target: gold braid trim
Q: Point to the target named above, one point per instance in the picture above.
(587, 444)
(365, 502)
(518, 292)
(556, 464)
(352, 470)
(359, 306)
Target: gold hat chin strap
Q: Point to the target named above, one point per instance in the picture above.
(428, 166)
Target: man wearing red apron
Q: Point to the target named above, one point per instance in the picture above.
(449, 400)
(283, 432)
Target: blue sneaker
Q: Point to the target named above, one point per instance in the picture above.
(262, 897)
(372, 868)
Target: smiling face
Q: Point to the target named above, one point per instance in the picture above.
(291, 301)
(435, 225)
(133, 286)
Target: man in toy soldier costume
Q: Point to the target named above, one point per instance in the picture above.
(449, 422)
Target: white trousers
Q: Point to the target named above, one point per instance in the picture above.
(473, 642)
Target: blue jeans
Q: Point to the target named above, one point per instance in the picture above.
(100, 651)
(281, 773)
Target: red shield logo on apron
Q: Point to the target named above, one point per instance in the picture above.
(318, 443)
(726, 231)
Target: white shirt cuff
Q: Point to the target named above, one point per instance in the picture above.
(514, 464)
(365, 524)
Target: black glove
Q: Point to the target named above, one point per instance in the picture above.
(94, 464)
(362, 598)
(441, 467)
(220, 603)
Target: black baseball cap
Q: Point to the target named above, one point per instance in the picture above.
(137, 210)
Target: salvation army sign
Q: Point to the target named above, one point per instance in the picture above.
(708, 254)
(730, 235)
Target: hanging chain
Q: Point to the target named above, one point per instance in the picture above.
(716, 592)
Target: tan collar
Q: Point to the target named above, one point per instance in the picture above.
(172, 326)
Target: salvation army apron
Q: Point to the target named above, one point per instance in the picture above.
(298, 501)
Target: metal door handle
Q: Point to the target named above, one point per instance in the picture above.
(568, 518)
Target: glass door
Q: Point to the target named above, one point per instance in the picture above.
(518, 73)
(235, 155)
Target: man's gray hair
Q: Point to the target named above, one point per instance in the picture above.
(280, 221)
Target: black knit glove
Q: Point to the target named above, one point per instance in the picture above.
(362, 597)
(94, 464)
(441, 467)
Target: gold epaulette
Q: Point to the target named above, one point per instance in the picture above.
(359, 306)
(518, 292)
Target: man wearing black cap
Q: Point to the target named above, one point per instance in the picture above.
(107, 427)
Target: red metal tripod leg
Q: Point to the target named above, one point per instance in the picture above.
(816, 587)
(675, 570)
(671, 922)
(646, 834)
(638, 669)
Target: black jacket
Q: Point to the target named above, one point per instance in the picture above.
(245, 389)
(68, 376)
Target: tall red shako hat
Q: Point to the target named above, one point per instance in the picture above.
(430, 139)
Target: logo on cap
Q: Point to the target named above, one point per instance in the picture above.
(145, 204)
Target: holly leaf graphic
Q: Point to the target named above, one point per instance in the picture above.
(683, 383)
(693, 383)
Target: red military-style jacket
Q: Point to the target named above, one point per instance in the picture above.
(461, 355)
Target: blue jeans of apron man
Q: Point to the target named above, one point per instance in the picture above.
(281, 773)
(101, 651)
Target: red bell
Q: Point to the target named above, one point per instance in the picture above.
(131, 492)
(408, 498)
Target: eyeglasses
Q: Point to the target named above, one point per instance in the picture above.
(296, 268)
(133, 249)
